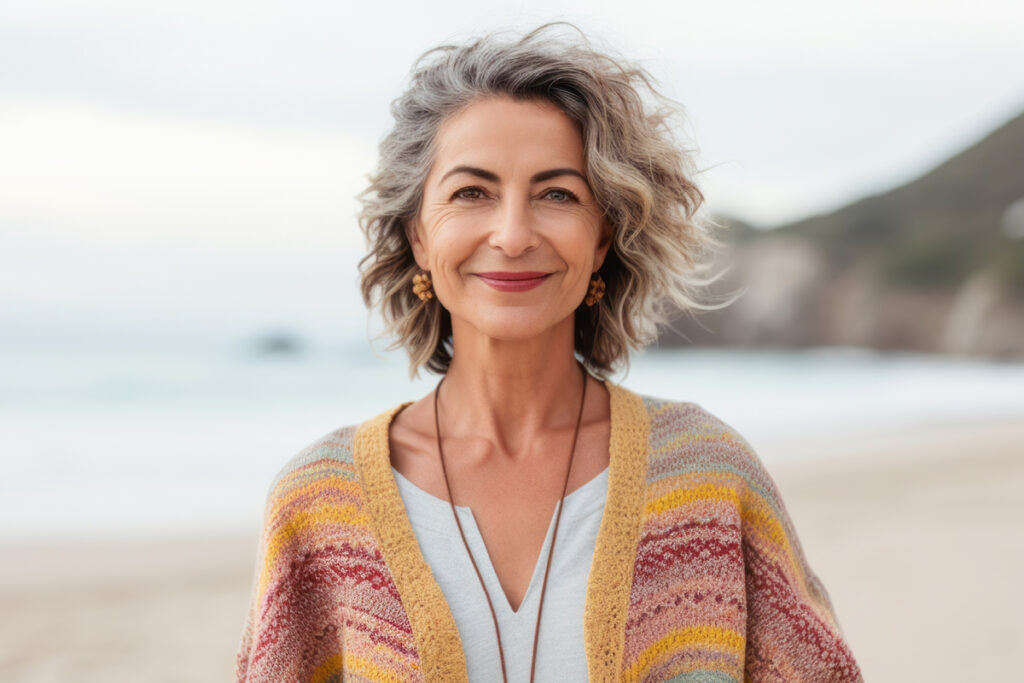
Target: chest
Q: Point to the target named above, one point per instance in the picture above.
(512, 500)
(513, 516)
(561, 654)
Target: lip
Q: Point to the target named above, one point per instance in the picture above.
(519, 281)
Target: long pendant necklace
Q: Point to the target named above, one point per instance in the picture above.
(554, 533)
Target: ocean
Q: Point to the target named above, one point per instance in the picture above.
(123, 443)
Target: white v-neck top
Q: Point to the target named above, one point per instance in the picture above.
(560, 650)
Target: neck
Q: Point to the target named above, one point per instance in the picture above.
(509, 392)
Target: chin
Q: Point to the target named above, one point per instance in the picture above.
(517, 324)
(512, 331)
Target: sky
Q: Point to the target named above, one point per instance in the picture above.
(186, 171)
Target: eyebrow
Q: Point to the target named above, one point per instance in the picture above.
(490, 176)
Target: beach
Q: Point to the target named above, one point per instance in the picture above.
(918, 536)
(916, 531)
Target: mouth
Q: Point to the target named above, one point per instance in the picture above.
(520, 281)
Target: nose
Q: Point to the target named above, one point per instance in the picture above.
(514, 229)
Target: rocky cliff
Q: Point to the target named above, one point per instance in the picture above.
(935, 265)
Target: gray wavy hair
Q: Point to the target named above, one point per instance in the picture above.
(662, 250)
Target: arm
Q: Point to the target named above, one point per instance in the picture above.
(246, 646)
(792, 630)
(292, 630)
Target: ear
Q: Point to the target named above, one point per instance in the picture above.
(604, 243)
(419, 251)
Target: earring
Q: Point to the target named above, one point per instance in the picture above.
(596, 290)
(421, 286)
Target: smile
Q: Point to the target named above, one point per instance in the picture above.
(513, 282)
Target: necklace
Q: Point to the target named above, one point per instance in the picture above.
(554, 533)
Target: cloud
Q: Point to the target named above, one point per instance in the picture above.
(82, 172)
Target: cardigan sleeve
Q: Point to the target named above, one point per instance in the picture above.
(290, 633)
(324, 603)
(246, 646)
(266, 637)
(792, 630)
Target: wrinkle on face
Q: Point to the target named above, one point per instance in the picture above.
(498, 198)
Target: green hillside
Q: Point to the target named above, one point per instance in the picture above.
(935, 230)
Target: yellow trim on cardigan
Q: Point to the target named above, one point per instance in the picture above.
(433, 627)
(611, 570)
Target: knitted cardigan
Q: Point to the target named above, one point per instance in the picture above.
(697, 573)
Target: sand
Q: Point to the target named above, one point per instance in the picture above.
(917, 534)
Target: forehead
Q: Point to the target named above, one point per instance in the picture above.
(500, 133)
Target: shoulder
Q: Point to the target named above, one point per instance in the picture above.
(328, 457)
(686, 428)
(322, 473)
(691, 449)
(329, 472)
(680, 426)
(317, 497)
(686, 439)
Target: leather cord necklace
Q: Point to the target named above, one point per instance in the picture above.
(554, 533)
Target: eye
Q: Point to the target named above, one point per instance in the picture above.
(560, 195)
(469, 193)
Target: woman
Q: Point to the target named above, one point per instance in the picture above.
(526, 520)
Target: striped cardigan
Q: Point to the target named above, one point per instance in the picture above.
(697, 572)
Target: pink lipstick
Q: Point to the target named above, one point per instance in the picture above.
(520, 281)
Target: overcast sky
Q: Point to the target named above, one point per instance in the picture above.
(198, 160)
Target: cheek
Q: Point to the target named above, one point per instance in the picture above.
(576, 243)
(449, 240)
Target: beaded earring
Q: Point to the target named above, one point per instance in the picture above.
(596, 290)
(421, 286)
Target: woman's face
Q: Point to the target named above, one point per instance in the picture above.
(509, 229)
